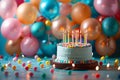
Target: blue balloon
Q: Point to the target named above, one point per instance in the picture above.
(110, 26)
(26, 0)
(38, 29)
(40, 53)
(48, 48)
(49, 8)
(1, 20)
(75, 1)
(91, 5)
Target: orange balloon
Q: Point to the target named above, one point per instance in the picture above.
(117, 36)
(58, 26)
(35, 3)
(91, 27)
(80, 12)
(64, 1)
(105, 46)
(13, 47)
(26, 13)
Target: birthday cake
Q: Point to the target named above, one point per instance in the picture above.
(75, 54)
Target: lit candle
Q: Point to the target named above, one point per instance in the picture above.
(85, 38)
(65, 36)
(72, 37)
(73, 65)
(80, 37)
(108, 66)
(76, 37)
(53, 65)
(68, 36)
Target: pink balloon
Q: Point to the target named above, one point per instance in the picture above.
(65, 9)
(11, 28)
(25, 31)
(29, 46)
(8, 8)
(19, 2)
(106, 7)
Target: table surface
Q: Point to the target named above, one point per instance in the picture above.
(58, 73)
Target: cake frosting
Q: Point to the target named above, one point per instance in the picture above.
(76, 53)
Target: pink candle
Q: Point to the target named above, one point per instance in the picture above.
(76, 37)
(80, 37)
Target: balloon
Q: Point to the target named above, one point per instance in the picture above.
(41, 19)
(7, 8)
(38, 29)
(117, 36)
(101, 18)
(13, 47)
(91, 5)
(27, 0)
(58, 26)
(48, 48)
(106, 7)
(26, 13)
(91, 27)
(40, 53)
(80, 12)
(64, 1)
(29, 46)
(25, 31)
(110, 26)
(117, 15)
(105, 46)
(11, 28)
(65, 9)
(74, 1)
(49, 8)
(19, 2)
(35, 3)
(1, 20)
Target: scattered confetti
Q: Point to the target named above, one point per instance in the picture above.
(26, 68)
(41, 65)
(38, 59)
(52, 70)
(19, 61)
(31, 74)
(23, 64)
(85, 76)
(16, 74)
(6, 73)
(69, 72)
(14, 67)
(43, 75)
(35, 68)
(47, 63)
(97, 75)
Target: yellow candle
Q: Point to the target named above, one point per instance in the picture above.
(72, 37)
(76, 37)
(85, 38)
(65, 37)
(80, 37)
(68, 36)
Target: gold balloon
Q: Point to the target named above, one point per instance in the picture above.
(80, 12)
(13, 47)
(26, 13)
(91, 27)
(105, 46)
(36, 3)
(64, 1)
(58, 26)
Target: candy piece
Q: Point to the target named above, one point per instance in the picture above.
(23, 64)
(31, 74)
(2, 69)
(15, 58)
(69, 72)
(6, 73)
(16, 74)
(102, 58)
(97, 75)
(29, 62)
(85, 76)
(36, 56)
(47, 63)
(100, 63)
(29, 65)
(41, 65)
(52, 70)
(14, 67)
(26, 68)
(43, 75)
(38, 59)
(9, 64)
(35, 68)
(19, 61)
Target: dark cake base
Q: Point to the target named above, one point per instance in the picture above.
(78, 66)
